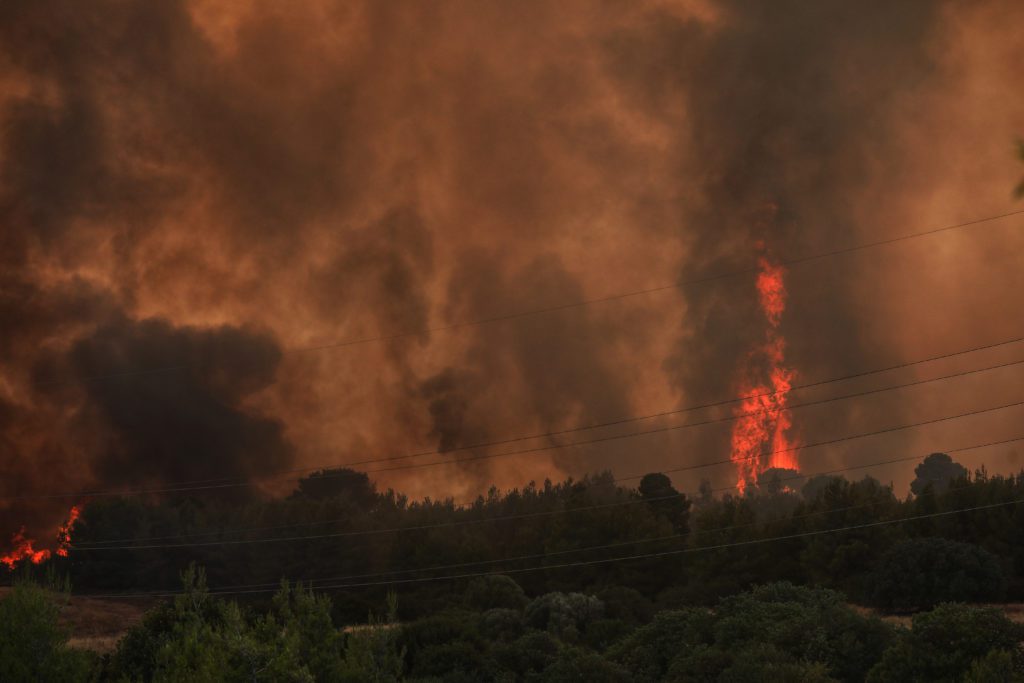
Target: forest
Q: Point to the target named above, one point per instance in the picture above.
(578, 580)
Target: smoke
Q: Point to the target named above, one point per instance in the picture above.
(240, 190)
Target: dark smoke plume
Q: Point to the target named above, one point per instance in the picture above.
(244, 189)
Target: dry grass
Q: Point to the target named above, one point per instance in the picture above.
(98, 625)
(1013, 612)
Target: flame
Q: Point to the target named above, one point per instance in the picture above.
(23, 550)
(760, 435)
(64, 532)
(23, 547)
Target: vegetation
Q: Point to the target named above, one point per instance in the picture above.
(772, 632)
(738, 588)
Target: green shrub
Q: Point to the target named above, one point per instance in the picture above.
(944, 644)
(487, 592)
(565, 615)
(575, 664)
(33, 647)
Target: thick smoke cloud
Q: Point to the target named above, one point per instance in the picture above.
(241, 189)
(187, 418)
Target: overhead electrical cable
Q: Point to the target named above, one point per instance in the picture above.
(221, 532)
(366, 532)
(610, 560)
(223, 483)
(569, 305)
(691, 532)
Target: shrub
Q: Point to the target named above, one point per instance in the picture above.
(648, 651)
(33, 647)
(529, 654)
(574, 664)
(773, 632)
(564, 614)
(945, 643)
(626, 604)
(448, 660)
(501, 624)
(488, 592)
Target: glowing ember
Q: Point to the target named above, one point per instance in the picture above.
(23, 547)
(759, 436)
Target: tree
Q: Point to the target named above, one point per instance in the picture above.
(486, 592)
(944, 644)
(997, 666)
(338, 483)
(773, 632)
(920, 573)
(666, 500)
(33, 646)
(776, 480)
(565, 615)
(373, 654)
(937, 470)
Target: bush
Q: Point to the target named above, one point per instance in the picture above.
(603, 633)
(648, 651)
(448, 660)
(530, 654)
(33, 647)
(488, 592)
(944, 644)
(574, 664)
(564, 614)
(501, 624)
(626, 604)
(778, 631)
(923, 572)
(997, 666)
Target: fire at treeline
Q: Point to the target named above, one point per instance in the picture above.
(760, 440)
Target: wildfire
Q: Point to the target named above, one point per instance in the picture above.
(23, 550)
(23, 547)
(760, 437)
(64, 532)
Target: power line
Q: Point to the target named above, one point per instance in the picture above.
(570, 305)
(650, 540)
(892, 461)
(216, 484)
(630, 419)
(368, 532)
(585, 563)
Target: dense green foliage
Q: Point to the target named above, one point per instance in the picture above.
(33, 647)
(951, 642)
(775, 632)
(532, 584)
(919, 573)
(335, 529)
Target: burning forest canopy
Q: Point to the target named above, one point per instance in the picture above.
(240, 239)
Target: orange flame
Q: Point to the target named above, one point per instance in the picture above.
(23, 547)
(23, 550)
(759, 437)
(64, 532)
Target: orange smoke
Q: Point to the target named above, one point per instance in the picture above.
(23, 547)
(759, 436)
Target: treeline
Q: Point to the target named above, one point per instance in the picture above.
(579, 580)
(336, 530)
(776, 632)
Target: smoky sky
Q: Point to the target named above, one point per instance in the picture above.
(239, 191)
